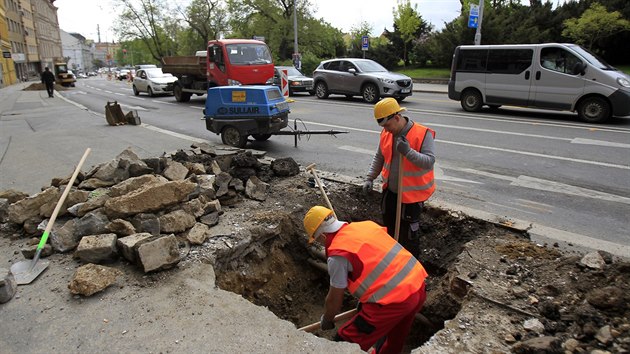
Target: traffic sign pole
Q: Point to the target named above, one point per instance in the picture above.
(478, 33)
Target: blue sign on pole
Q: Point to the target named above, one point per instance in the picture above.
(365, 42)
(473, 19)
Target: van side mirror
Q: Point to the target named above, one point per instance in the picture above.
(579, 68)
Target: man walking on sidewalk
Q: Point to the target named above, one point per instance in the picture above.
(49, 80)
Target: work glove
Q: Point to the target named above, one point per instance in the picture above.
(325, 324)
(402, 145)
(367, 187)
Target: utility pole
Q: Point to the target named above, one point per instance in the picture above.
(297, 62)
(478, 33)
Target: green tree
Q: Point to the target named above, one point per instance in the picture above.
(149, 21)
(595, 24)
(407, 21)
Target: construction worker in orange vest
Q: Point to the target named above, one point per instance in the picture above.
(404, 138)
(386, 279)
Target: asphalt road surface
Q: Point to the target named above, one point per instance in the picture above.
(569, 179)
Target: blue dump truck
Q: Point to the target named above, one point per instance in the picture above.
(236, 112)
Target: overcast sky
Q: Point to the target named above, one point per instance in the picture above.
(83, 16)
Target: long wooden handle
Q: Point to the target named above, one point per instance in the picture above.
(49, 226)
(321, 188)
(399, 196)
(340, 317)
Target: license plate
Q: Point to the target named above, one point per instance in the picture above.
(405, 90)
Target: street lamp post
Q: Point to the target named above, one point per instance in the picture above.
(297, 62)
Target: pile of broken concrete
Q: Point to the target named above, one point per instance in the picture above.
(137, 209)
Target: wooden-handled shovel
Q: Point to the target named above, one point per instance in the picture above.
(25, 271)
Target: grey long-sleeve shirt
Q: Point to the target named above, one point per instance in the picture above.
(425, 158)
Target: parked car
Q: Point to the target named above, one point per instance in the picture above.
(360, 77)
(297, 81)
(153, 81)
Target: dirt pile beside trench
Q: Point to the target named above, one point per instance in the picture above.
(490, 289)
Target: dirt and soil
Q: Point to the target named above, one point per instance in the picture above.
(487, 285)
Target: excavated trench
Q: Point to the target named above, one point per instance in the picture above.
(277, 271)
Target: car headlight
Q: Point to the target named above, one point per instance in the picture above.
(269, 81)
(232, 82)
(623, 81)
(387, 81)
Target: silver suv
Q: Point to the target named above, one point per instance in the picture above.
(360, 77)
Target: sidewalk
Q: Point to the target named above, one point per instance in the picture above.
(430, 88)
(42, 138)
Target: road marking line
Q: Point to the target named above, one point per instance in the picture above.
(172, 133)
(599, 142)
(200, 108)
(162, 102)
(596, 163)
(551, 186)
(108, 91)
(119, 94)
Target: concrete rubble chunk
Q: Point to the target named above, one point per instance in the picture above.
(534, 325)
(604, 335)
(222, 183)
(96, 199)
(12, 195)
(545, 344)
(121, 227)
(198, 234)
(29, 207)
(285, 167)
(195, 168)
(64, 239)
(593, 260)
(28, 251)
(94, 222)
(117, 170)
(95, 183)
(150, 198)
(176, 221)
(135, 183)
(74, 197)
(210, 219)
(8, 285)
(146, 222)
(162, 253)
(4, 210)
(194, 207)
(256, 189)
(91, 278)
(606, 298)
(175, 171)
(97, 248)
(127, 246)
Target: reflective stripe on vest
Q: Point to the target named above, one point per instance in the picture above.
(383, 271)
(418, 184)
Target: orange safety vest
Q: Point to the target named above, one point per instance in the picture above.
(383, 271)
(418, 184)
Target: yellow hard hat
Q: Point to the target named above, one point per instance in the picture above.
(314, 219)
(386, 107)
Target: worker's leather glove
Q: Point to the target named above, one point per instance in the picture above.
(325, 324)
(402, 145)
(367, 187)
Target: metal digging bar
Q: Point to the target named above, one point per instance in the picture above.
(297, 133)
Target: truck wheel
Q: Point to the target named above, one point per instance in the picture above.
(231, 136)
(370, 93)
(471, 101)
(594, 110)
(181, 96)
(261, 137)
(321, 90)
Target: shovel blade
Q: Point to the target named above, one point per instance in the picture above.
(24, 274)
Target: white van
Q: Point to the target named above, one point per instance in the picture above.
(549, 76)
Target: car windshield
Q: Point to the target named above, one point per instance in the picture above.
(592, 58)
(155, 73)
(291, 71)
(248, 54)
(369, 66)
